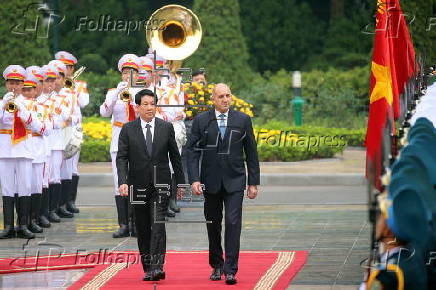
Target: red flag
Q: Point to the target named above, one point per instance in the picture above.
(18, 129)
(392, 66)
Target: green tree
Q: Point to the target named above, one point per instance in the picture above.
(280, 33)
(222, 52)
(23, 40)
(102, 27)
(418, 15)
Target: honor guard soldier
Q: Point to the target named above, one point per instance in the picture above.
(61, 115)
(405, 226)
(30, 92)
(16, 154)
(119, 104)
(170, 93)
(145, 71)
(80, 89)
(48, 89)
(70, 112)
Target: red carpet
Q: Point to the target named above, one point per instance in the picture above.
(53, 262)
(190, 270)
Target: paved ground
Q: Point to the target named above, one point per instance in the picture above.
(330, 222)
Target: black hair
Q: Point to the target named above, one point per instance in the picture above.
(141, 93)
(199, 72)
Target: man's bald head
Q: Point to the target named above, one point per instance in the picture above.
(222, 97)
(220, 87)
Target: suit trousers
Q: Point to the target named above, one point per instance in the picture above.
(150, 229)
(213, 211)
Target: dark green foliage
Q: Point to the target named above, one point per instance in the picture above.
(23, 43)
(222, 51)
(280, 34)
(81, 36)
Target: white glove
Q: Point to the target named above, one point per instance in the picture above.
(8, 96)
(121, 86)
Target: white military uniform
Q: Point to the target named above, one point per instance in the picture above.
(119, 111)
(81, 95)
(60, 114)
(38, 144)
(16, 155)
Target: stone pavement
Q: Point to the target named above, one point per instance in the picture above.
(327, 220)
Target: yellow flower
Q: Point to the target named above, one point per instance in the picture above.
(201, 93)
(188, 113)
(190, 102)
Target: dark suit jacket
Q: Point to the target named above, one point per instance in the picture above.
(222, 160)
(135, 166)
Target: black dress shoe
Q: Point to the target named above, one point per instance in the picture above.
(170, 213)
(216, 274)
(157, 275)
(231, 279)
(175, 209)
(147, 276)
(122, 232)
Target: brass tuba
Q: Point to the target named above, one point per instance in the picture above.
(177, 34)
(69, 82)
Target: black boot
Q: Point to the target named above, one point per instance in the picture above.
(35, 206)
(123, 231)
(24, 211)
(43, 214)
(54, 191)
(71, 203)
(65, 193)
(8, 218)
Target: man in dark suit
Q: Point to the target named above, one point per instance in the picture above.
(220, 137)
(142, 161)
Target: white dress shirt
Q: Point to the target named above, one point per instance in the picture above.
(144, 128)
(218, 118)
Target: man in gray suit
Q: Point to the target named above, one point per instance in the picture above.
(220, 137)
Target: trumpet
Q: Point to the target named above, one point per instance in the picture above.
(10, 106)
(69, 82)
(125, 96)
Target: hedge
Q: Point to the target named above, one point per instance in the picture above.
(291, 144)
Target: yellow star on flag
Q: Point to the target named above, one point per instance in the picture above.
(383, 85)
